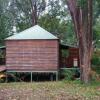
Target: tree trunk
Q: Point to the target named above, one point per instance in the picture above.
(85, 64)
(34, 12)
(82, 18)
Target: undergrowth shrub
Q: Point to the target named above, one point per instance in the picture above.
(96, 62)
(95, 76)
(69, 74)
(95, 73)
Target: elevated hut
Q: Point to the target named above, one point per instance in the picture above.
(32, 50)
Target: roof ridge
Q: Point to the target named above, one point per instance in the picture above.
(39, 33)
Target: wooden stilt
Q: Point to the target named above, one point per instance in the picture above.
(6, 78)
(56, 76)
(31, 77)
(51, 77)
(15, 76)
(37, 77)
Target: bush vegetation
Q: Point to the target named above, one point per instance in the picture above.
(96, 61)
(70, 74)
(96, 65)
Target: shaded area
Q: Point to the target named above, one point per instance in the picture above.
(26, 77)
(2, 55)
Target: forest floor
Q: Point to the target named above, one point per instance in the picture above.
(49, 91)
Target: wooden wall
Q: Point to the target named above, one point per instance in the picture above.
(69, 61)
(73, 54)
(32, 55)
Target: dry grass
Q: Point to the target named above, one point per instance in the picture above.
(49, 91)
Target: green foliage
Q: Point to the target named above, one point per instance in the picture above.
(18, 14)
(21, 14)
(69, 74)
(56, 18)
(95, 76)
(96, 23)
(96, 61)
(56, 22)
(96, 10)
(65, 53)
(96, 35)
(5, 21)
(82, 3)
(61, 28)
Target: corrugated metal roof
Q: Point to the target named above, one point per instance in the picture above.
(35, 32)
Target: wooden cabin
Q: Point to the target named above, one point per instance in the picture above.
(69, 56)
(32, 50)
(35, 50)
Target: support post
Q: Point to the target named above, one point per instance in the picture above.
(56, 76)
(15, 77)
(37, 77)
(51, 76)
(6, 77)
(31, 77)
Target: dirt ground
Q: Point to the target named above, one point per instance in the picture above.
(48, 91)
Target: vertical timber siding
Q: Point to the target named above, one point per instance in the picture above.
(69, 61)
(73, 53)
(32, 55)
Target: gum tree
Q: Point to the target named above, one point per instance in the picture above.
(81, 13)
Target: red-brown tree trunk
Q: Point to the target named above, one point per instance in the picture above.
(85, 63)
(82, 18)
(34, 12)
